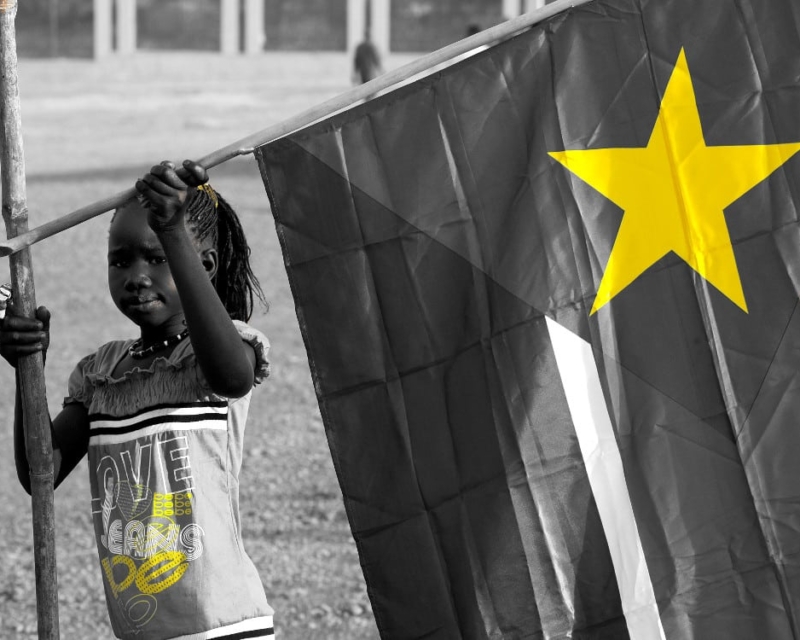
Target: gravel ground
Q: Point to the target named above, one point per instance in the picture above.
(90, 130)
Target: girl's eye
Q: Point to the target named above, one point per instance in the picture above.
(118, 264)
(158, 260)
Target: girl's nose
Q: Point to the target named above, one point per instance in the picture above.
(138, 280)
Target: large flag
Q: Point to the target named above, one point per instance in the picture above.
(550, 301)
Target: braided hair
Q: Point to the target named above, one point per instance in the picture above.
(209, 216)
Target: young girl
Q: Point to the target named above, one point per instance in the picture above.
(162, 417)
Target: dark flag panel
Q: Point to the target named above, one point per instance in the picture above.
(549, 298)
(449, 499)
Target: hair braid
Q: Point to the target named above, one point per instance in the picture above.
(211, 217)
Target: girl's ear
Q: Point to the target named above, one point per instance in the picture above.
(210, 260)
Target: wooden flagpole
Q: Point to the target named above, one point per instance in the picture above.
(389, 80)
(30, 369)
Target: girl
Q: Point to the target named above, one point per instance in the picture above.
(162, 417)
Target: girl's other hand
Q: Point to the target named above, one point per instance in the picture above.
(20, 336)
(166, 191)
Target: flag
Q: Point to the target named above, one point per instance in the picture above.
(549, 297)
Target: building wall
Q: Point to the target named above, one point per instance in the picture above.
(68, 32)
(306, 24)
(417, 25)
(426, 25)
(178, 24)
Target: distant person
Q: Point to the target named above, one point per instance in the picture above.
(162, 416)
(367, 61)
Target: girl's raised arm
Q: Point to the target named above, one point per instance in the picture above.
(227, 362)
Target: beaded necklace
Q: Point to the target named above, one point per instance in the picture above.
(136, 352)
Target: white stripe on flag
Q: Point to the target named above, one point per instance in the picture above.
(598, 444)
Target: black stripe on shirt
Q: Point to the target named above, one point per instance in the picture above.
(199, 417)
(157, 407)
(266, 632)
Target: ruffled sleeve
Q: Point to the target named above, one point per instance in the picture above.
(79, 390)
(260, 345)
(81, 384)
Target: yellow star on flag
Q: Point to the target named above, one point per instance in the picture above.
(673, 193)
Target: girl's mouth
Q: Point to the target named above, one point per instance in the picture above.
(142, 304)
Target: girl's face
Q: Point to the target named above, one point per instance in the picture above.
(139, 278)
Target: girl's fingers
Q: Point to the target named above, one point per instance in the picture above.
(190, 174)
(21, 323)
(196, 174)
(161, 201)
(20, 338)
(144, 189)
(165, 173)
(43, 316)
(164, 185)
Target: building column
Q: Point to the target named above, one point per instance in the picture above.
(381, 27)
(530, 5)
(102, 29)
(254, 26)
(229, 27)
(126, 26)
(356, 23)
(511, 8)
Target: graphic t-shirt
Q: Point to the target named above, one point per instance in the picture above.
(164, 460)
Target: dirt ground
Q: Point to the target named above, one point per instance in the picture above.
(91, 129)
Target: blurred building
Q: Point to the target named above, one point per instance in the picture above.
(86, 28)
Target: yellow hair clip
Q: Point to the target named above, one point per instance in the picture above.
(210, 193)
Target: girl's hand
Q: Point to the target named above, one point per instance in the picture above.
(166, 191)
(20, 336)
